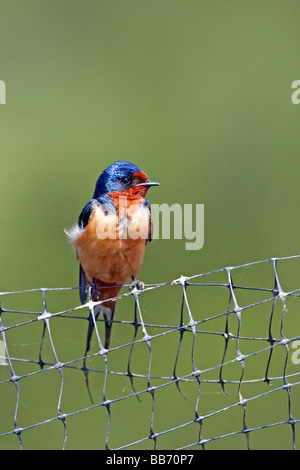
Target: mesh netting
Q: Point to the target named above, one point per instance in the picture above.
(207, 361)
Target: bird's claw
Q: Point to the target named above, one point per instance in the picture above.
(93, 289)
(136, 285)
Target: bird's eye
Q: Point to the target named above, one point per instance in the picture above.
(126, 180)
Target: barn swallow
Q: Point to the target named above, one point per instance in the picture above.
(110, 238)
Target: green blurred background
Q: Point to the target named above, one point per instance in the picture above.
(198, 94)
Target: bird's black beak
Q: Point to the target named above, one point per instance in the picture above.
(148, 183)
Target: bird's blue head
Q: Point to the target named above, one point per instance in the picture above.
(121, 177)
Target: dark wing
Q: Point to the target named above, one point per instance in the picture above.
(83, 220)
(86, 213)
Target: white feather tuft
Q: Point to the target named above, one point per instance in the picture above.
(73, 233)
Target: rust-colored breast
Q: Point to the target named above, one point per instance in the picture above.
(111, 247)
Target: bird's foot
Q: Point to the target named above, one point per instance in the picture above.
(94, 290)
(136, 285)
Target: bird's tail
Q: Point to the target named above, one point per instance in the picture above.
(108, 315)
